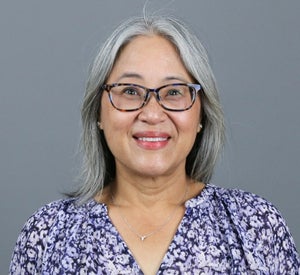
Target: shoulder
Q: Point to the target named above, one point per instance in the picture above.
(35, 230)
(243, 210)
(248, 211)
(51, 221)
(58, 214)
(243, 203)
(258, 226)
(46, 215)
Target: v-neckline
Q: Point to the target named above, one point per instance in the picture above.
(188, 204)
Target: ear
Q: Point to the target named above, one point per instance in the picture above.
(199, 127)
(99, 125)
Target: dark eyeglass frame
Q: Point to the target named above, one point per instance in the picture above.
(195, 88)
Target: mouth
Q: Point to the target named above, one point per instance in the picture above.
(152, 140)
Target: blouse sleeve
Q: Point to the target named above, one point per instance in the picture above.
(265, 236)
(30, 245)
(286, 258)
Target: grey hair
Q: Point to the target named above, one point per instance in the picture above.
(98, 164)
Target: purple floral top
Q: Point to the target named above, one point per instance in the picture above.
(222, 232)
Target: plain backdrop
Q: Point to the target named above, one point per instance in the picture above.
(46, 48)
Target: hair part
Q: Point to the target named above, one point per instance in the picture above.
(98, 168)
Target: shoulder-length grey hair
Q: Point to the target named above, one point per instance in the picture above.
(99, 164)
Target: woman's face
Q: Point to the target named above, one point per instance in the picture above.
(152, 141)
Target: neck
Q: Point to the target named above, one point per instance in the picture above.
(149, 193)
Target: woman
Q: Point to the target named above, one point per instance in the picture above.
(153, 128)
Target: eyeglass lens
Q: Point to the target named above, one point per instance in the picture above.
(132, 97)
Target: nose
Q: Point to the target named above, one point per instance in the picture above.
(152, 112)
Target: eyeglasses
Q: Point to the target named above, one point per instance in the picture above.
(128, 97)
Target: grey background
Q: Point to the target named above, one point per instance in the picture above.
(46, 47)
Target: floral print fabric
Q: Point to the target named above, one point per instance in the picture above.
(223, 231)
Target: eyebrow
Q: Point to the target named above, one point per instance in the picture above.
(138, 76)
(129, 75)
(176, 78)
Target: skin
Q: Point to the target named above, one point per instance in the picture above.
(151, 184)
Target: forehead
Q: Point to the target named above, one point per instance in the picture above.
(149, 56)
(147, 47)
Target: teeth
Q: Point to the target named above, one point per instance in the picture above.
(152, 139)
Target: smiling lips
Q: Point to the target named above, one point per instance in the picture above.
(152, 140)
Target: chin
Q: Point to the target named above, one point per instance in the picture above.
(155, 172)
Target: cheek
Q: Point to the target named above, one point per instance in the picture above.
(113, 122)
(190, 120)
(104, 107)
(107, 114)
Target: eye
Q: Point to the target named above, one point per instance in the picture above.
(130, 91)
(174, 92)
